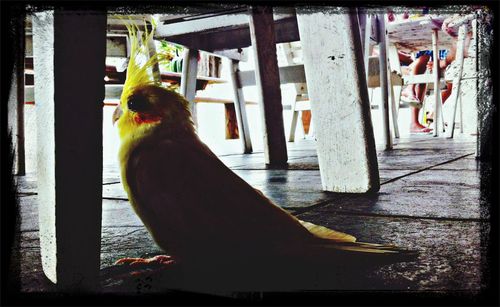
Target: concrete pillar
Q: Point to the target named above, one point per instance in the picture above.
(69, 58)
(333, 63)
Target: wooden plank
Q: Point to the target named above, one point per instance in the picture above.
(240, 107)
(210, 23)
(334, 68)
(417, 79)
(384, 86)
(116, 46)
(268, 85)
(231, 37)
(412, 35)
(287, 74)
(188, 79)
(15, 106)
(69, 141)
(233, 54)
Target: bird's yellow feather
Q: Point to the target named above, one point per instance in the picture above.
(185, 195)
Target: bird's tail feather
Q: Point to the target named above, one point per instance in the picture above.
(364, 253)
(344, 244)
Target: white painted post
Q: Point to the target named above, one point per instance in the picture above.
(384, 79)
(156, 67)
(69, 58)
(394, 65)
(240, 106)
(367, 47)
(188, 79)
(457, 80)
(335, 73)
(437, 91)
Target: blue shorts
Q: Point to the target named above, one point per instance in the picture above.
(442, 54)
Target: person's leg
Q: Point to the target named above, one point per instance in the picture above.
(415, 125)
(418, 90)
(419, 67)
(446, 92)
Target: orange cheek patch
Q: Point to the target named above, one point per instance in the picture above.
(142, 118)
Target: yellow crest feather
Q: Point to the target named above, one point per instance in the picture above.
(138, 75)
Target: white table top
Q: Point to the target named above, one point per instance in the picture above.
(413, 35)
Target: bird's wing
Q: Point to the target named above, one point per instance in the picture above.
(181, 187)
(190, 200)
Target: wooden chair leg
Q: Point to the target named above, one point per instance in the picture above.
(437, 92)
(457, 81)
(394, 65)
(188, 79)
(461, 114)
(394, 112)
(240, 107)
(293, 124)
(384, 86)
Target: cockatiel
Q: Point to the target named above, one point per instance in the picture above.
(198, 209)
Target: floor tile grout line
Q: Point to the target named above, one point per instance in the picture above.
(425, 169)
(114, 198)
(403, 216)
(327, 201)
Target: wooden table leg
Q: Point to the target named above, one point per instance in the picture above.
(69, 140)
(268, 85)
(333, 63)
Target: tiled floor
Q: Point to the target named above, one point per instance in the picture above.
(429, 201)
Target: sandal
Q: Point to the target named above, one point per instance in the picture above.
(412, 100)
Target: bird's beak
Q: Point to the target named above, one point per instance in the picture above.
(116, 114)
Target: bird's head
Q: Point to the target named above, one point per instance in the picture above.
(145, 103)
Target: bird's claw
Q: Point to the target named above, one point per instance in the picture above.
(160, 259)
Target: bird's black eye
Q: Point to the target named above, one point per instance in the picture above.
(137, 103)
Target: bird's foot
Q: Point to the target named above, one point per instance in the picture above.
(139, 265)
(160, 259)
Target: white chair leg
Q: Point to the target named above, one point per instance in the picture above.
(435, 72)
(457, 80)
(394, 112)
(293, 126)
(240, 107)
(461, 114)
